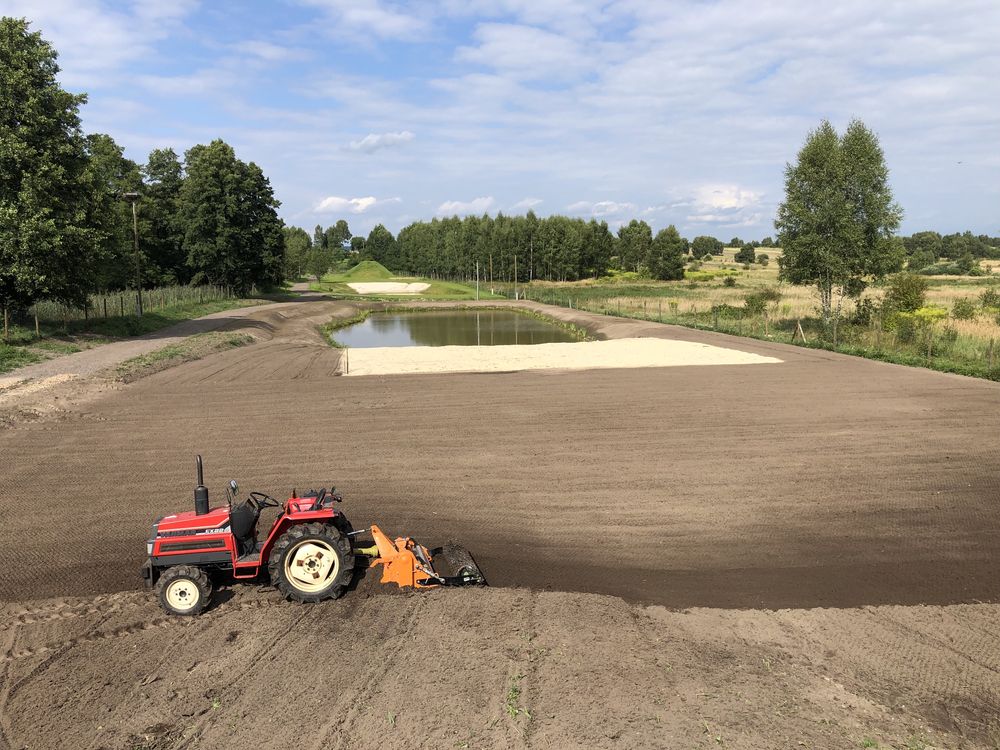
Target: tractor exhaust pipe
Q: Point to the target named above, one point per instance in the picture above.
(200, 492)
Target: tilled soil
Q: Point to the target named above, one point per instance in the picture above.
(823, 481)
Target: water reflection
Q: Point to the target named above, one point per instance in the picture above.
(451, 328)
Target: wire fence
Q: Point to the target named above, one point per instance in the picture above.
(125, 303)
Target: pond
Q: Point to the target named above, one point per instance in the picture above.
(451, 328)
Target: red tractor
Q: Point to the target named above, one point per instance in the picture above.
(308, 554)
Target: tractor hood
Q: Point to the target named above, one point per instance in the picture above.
(217, 518)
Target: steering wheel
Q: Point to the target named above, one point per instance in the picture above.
(261, 501)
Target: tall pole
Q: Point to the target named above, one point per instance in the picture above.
(138, 268)
(515, 276)
(477, 288)
(133, 197)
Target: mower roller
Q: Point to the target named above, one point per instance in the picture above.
(309, 554)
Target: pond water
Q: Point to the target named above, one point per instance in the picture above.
(451, 328)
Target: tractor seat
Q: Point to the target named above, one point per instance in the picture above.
(242, 523)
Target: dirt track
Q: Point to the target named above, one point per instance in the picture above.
(823, 481)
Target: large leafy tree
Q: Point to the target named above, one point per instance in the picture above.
(110, 174)
(666, 255)
(162, 237)
(232, 233)
(837, 221)
(381, 246)
(703, 245)
(634, 240)
(45, 189)
(297, 247)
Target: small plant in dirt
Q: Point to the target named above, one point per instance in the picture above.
(868, 743)
(512, 704)
(964, 309)
(729, 281)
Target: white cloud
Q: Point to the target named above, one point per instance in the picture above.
(372, 17)
(269, 52)
(336, 204)
(373, 142)
(600, 208)
(526, 51)
(527, 204)
(475, 206)
(97, 40)
(725, 205)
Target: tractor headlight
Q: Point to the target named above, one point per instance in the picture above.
(149, 548)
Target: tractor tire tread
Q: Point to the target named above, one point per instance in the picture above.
(195, 574)
(300, 532)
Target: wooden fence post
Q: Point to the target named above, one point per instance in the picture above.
(989, 356)
(121, 305)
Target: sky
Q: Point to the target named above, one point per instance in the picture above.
(680, 113)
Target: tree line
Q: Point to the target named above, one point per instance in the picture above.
(66, 221)
(528, 248)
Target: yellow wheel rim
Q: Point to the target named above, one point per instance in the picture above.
(311, 565)
(182, 594)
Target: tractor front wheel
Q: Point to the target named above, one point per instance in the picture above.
(184, 590)
(311, 562)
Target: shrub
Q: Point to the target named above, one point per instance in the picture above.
(746, 266)
(755, 303)
(907, 293)
(706, 256)
(964, 309)
(989, 298)
(727, 311)
(864, 312)
(909, 324)
(763, 258)
(745, 254)
(729, 281)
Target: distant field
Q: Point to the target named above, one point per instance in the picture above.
(336, 285)
(715, 296)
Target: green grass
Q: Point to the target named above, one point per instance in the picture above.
(366, 270)
(12, 357)
(58, 339)
(190, 349)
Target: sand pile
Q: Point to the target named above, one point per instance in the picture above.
(387, 287)
(638, 352)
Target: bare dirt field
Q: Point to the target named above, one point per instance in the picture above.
(806, 555)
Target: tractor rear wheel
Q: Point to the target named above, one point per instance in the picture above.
(311, 562)
(184, 590)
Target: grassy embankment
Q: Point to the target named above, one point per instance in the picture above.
(171, 355)
(715, 297)
(336, 285)
(65, 332)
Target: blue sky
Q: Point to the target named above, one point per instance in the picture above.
(674, 112)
